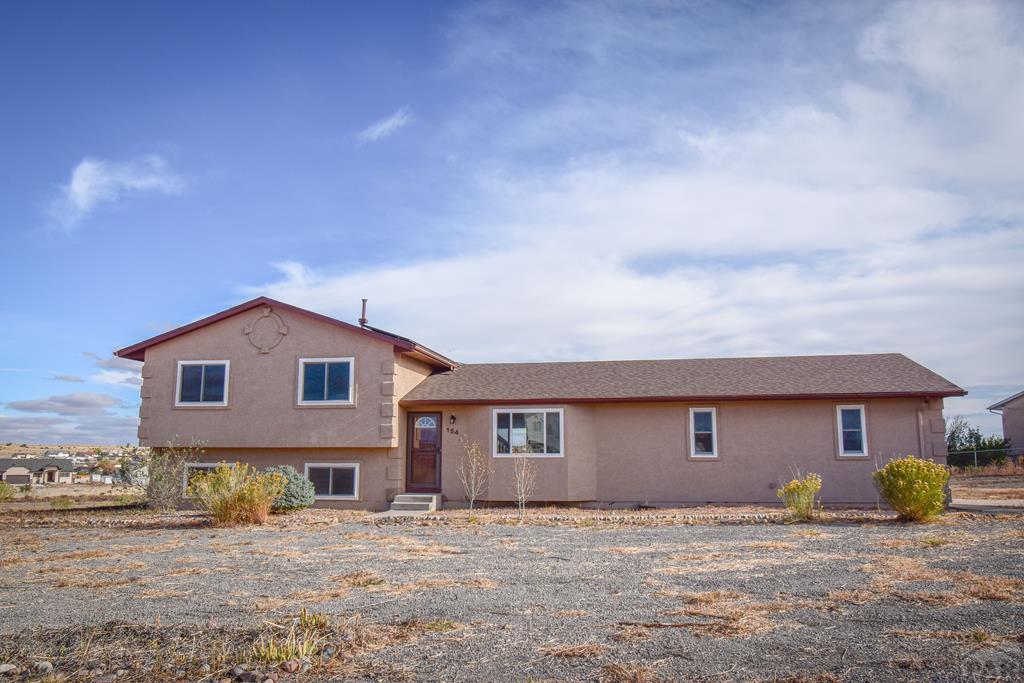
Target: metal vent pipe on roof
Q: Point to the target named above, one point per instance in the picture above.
(362, 319)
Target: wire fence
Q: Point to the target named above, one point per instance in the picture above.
(982, 457)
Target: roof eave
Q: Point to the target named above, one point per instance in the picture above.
(680, 399)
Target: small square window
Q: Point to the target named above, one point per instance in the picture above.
(202, 383)
(325, 381)
(334, 480)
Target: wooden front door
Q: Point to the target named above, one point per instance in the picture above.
(423, 464)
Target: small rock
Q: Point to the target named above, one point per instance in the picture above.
(205, 668)
(291, 666)
(328, 652)
(251, 677)
(96, 671)
(236, 671)
(109, 678)
(44, 668)
(6, 669)
(121, 672)
(271, 677)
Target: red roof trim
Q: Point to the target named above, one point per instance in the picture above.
(678, 399)
(138, 351)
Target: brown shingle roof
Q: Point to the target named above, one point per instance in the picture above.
(879, 375)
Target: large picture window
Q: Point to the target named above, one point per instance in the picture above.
(337, 480)
(202, 383)
(532, 432)
(325, 381)
(852, 435)
(703, 433)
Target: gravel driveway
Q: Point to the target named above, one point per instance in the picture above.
(862, 601)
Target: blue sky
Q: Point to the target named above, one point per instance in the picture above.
(510, 181)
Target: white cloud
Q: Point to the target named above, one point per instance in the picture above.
(386, 127)
(96, 181)
(82, 417)
(81, 403)
(875, 207)
(114, 370)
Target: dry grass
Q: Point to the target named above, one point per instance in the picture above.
(574, 651)
(627, 673)
(631, 634)
(725, 614)
(93, 583)
(978, 636)
(361, 579)
(79, 555)
(189, 652)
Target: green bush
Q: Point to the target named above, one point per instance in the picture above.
(799, 494)
(915, 488)
(6, 491)
(61, 503)
(298, 491)
(234, 494)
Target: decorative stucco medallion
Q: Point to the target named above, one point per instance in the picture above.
(266, 331)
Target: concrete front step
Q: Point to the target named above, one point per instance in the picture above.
(418, 502)
(417, 507)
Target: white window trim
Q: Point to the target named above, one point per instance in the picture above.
(843, 453)
(197, 466)
(355, 487)
(178, 403)
(714, 432)
(351, 381)
(528, 409)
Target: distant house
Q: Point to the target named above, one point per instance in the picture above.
(1012, 410)
(368, 415)
(17, 471)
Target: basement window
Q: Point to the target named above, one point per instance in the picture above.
(703, 433)
(530, 432)
(325, 381)
(202, 383)
(333, 480)
(852, 438)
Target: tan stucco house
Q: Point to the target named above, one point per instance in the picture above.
(18, 471)
(1012, 411)
(368, 415)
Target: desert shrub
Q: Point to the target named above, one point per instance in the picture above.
(298, 491)
(915, 488)
(799, 495)
(6, 491)
(25, 488)
(234, 494)
(167, 473)
(60, 503)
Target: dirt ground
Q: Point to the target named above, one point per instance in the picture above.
(988, 488)
(80, 495)
(666, 595)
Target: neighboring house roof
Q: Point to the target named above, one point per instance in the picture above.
(401, 344)
(1002, 404)
(36, 464)
(850, 376)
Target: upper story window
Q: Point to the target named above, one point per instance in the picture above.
(852, 437)
(202, 383)
(703, 433)
(325, 381)
(532, 432)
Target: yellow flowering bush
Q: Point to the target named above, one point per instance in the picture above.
(799, 495)
(915, 488)
(236, 494)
